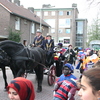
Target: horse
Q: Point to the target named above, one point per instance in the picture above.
(23, 58)
(4, 61)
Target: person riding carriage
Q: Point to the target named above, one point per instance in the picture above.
(38, 40)
(48, 46)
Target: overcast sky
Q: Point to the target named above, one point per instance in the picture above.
(82, 5)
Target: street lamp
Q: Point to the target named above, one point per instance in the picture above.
(43, 6)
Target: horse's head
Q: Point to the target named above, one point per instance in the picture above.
(4, 58)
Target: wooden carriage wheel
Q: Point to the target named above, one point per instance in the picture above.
(51, 75)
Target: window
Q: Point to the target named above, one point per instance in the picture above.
(65, 23)
(61, 13)
(51, 22)
(52, 30)
(45, 13)
(12, 1)
(79, 25)
(66, 41)
(33, 28)
(53, 13)
(25, 22)
(38, 13)
(60, 41)
(68, 12)
(67, 30)
(60, 30)
(17, 23)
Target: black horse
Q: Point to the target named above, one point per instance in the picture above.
(4, 61)
(22, 59)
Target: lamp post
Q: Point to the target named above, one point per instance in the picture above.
(40, 19)
(43, 6)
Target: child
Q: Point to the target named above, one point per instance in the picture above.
(68, 69)
(65, 83)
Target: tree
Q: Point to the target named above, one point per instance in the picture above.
(92, 2)
(94, 30)
(14, 35)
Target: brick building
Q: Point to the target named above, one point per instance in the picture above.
(18, 18)
(66, 27)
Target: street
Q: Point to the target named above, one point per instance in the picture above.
(47, 91)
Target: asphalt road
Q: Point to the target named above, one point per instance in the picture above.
(46, 94)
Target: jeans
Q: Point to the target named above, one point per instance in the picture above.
(55, 98)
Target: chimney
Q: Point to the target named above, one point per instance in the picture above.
(31, 9)
(17, 2)
(10, 0)
(74, 5)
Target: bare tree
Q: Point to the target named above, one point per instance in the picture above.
(93, 3)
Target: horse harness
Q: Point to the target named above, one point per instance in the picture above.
(5, 58)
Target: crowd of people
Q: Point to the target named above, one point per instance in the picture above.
(66, 85)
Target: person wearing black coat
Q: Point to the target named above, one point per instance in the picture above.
(71, 54)
(48, 46)
(38, 40)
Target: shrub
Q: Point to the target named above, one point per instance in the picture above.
(14, 35)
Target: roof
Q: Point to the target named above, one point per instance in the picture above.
(56, 9)
(21, 12)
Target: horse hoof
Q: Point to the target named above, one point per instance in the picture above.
(38, 91)
(5, 90)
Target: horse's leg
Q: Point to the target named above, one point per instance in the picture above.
(13, 70)
(20, 72)
(4, 77)
(39, 75)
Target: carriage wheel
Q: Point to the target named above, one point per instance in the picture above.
(51, 75)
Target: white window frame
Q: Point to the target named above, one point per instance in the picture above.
(61, 13)
(68, 32)
(33, 28)
(69, 13)
(53, 13)
(38, 13)
(45, 13)
(60, 30)
(52, 30)
(17, 23)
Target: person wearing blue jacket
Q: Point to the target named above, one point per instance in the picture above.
(68, 69)
(65, 84)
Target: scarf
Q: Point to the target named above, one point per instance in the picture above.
(23, 87)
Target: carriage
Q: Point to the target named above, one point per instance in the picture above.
(55, 69)
(20, 59)
(52, 69)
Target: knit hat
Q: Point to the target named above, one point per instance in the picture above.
(69, 66)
